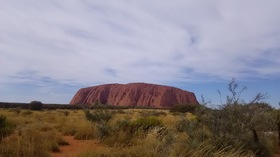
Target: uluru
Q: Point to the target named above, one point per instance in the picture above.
(134, 94)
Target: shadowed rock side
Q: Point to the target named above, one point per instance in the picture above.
(134, 94)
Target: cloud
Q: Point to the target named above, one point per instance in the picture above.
(85, 42)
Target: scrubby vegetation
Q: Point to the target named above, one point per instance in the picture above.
(238, 130)
(183, 108)
(233, 129)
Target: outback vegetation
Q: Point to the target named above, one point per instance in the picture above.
(233, 129)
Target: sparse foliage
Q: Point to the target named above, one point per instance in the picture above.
(233, 88)
(240, 120)
(145, 123)
(98, 115)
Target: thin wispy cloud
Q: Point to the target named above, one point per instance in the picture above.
(84, 42)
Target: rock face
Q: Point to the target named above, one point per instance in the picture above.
(134, 94)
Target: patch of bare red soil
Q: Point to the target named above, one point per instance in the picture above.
(76, 147)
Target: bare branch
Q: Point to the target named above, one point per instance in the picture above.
(235, 94)
(220, 94)
(203, 101)
(259, 97)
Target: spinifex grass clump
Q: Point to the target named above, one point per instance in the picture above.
(99, 128)
(145, 124)
(98, 115)
(32, 135)
(127, 132)
(31, 142)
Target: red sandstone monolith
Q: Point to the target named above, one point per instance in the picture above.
(134, 94)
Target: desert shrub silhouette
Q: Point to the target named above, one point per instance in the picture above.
(36, 105)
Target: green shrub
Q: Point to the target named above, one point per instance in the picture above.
(36, 105)
(145, 123)
(146, 113)
(98, 116)
(184, 108)
(126, 132)
(103, 130)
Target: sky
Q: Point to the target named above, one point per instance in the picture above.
(51, 48)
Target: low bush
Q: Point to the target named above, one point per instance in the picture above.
(98, 115)
(36, 105)
(184, 108)
(147, 113)
(126, 132)
(103, 130)
(145, 123)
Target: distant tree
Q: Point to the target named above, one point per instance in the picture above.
(36, 105)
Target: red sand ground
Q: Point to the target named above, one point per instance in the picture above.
(76, 147)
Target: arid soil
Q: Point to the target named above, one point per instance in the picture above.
(76, 147)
